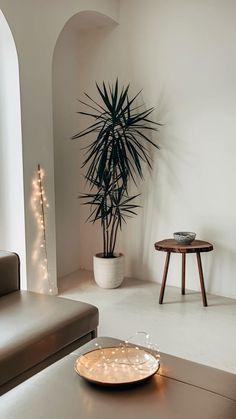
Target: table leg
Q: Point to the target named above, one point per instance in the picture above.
(163, 284)
(199, 262)
(183, 273)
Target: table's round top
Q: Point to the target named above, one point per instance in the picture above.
(170, 245)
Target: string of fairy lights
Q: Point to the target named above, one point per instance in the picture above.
(131, 361)
(39, 205)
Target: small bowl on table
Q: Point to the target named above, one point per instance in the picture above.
(184, 237)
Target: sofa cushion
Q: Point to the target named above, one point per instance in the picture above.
(9, 272)
(35, 326)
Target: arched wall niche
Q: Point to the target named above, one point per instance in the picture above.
(12, 222)
(35, 49)
(84, 53)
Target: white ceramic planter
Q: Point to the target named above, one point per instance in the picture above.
(108, 272)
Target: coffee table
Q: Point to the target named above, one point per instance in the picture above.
(181, 390)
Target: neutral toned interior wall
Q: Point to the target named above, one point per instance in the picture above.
(12, 223)
(188, 74)
(184, 58)
(82, 57)
(65, 83)
(185, 61)
(35, 27)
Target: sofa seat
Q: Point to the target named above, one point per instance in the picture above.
(34, 326)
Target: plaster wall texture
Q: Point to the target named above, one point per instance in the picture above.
(185, 60)
(35, 27)
(12, 224)
(182, 54)
(81, 58)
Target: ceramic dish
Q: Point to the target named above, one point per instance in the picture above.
(184, 237)
(117, 365)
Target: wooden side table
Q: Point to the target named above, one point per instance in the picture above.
(171, 246)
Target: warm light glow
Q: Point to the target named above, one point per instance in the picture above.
(38, 203)
(124, 363)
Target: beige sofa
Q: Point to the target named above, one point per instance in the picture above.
(35, 329)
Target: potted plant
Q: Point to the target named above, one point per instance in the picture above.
(113, 159)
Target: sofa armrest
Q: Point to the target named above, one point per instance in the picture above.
(9, 272)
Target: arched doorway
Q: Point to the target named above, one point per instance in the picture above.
(12, 224)
(83, 51)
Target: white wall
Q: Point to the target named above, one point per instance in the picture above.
(12, 223)
(35, 27)
(65, 83)
(82, 56)
(183, 55)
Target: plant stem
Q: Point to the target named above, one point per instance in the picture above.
(107, 237)
(115, 236)
(104, 238)
(112, 234)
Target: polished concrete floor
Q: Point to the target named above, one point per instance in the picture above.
(181, 326)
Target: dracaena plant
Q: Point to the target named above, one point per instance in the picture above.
(120, 146)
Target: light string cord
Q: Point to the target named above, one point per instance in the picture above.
(123, 350)
(42, 198)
